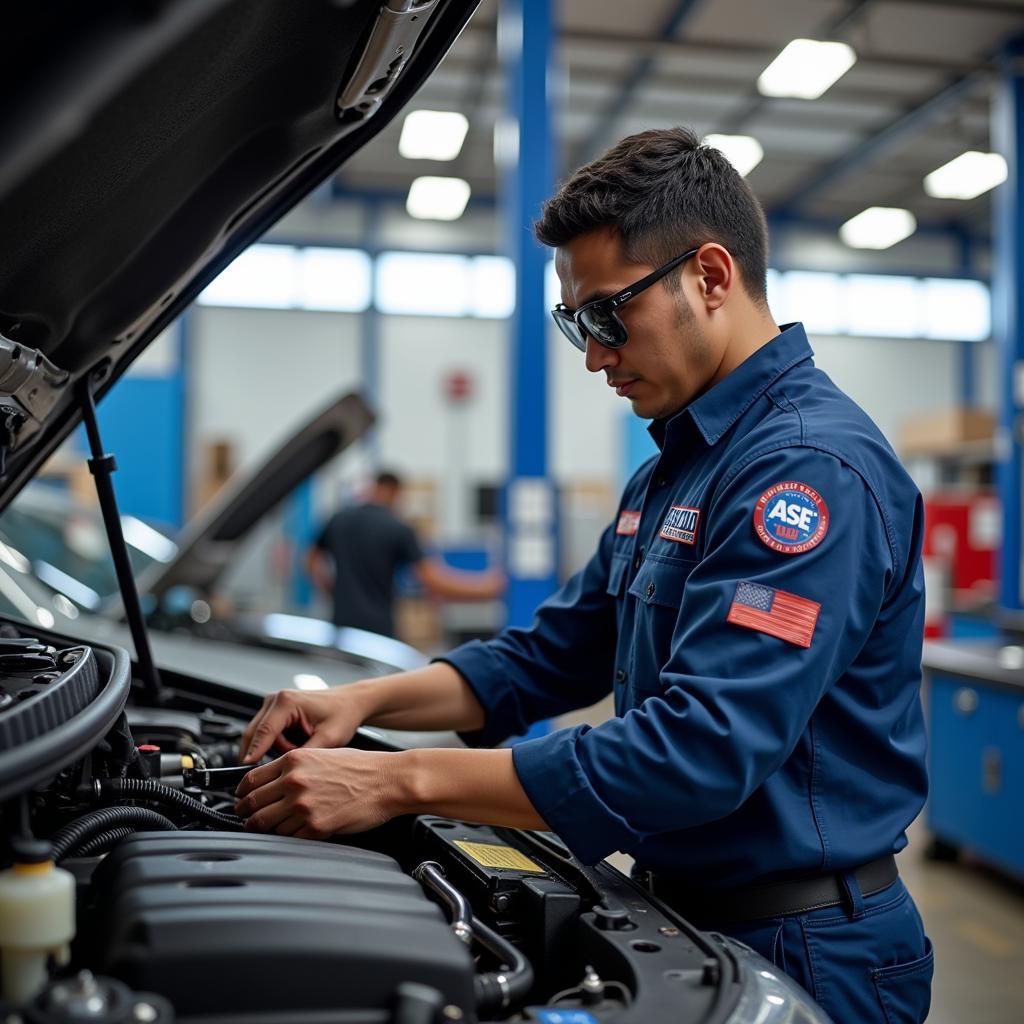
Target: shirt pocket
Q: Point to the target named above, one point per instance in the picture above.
(616, 574)
(660, 581)
(658, 587)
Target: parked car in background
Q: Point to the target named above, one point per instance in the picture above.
(64, 545)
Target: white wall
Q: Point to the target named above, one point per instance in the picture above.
(422, 433)
(987, 374)
(892, 380)
(255, 375)
(584, 418)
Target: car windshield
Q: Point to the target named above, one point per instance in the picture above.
(65, 546)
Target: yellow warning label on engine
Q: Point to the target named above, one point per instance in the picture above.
(493, 856)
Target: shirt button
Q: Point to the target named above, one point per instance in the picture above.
(660, 481)
(620, 676)
(650, 590)
(639, 559)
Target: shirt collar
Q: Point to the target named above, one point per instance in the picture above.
(720, 407)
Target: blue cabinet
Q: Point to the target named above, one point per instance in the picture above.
(977, 768)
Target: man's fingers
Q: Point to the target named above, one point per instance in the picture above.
(247, 734)
(291, 826)
(260, 797)
(258, 777)
(267, 819)
(274, 719)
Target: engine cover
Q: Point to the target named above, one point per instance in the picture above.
(224, 923)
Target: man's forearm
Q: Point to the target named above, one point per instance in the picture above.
(473, 785)
(435, 697)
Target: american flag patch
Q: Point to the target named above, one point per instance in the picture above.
(774, 612)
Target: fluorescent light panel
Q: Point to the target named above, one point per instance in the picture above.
(437, 198)
(433, 135)
(744, 152)
(878, 227)
(966, 176)
(806, 68)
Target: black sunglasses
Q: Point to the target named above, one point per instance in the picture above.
(598, 319)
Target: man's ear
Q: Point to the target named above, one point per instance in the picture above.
(716, 273)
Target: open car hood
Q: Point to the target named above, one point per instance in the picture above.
(146, 145)
(210, 539)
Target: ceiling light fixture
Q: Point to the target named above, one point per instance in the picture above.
(878, 227)
(433, 135)
(806, 68)
(744, 152)
(437, 198)
(966, 176)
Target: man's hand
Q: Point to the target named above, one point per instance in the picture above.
(314, 794)
(329, 718)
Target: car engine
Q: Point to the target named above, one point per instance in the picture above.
(130, 892)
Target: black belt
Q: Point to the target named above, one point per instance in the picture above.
(769, 899)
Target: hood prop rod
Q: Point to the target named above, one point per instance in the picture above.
(102, 466)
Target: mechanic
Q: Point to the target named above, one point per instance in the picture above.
(359, 551)
(756, 606)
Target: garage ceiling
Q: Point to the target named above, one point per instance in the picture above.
(919, 94)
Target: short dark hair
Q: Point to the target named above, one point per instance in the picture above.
(388, 478)
(664, 193)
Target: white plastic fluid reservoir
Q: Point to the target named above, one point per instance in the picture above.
(37, 919)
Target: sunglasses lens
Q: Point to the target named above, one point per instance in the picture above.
(570, 329)
(603, 326)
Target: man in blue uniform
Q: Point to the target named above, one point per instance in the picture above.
(756, 606)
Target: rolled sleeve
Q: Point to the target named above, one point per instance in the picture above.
(503, 712)
(561, 791)
(562, 662)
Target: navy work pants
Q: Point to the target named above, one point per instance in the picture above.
(866, 963)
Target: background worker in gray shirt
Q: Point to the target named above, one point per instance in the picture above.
(358, 554)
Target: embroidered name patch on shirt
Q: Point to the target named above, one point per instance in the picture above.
(791, 517)
(629, 523)
(681, 524)
(774, 612)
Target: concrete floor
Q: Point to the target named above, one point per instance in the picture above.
(975, 918)
(973, 915)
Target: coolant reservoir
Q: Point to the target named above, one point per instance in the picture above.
(37, 919)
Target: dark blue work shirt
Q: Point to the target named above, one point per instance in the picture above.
(757, 607)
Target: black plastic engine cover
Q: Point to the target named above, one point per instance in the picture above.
(224, 923)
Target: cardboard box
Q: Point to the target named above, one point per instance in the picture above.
(418, 623)
(946, 431)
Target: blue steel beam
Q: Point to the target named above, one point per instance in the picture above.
(608, 118)
(782, 220)
(525, 47)
(882, 140)
(1007, 289)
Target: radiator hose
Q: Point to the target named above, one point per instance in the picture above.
(497, 990)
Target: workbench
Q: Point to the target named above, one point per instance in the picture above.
(974, 693)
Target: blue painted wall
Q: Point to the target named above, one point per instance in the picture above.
(142, 420)
(637, 445)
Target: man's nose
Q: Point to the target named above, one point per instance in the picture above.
(599, 356)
